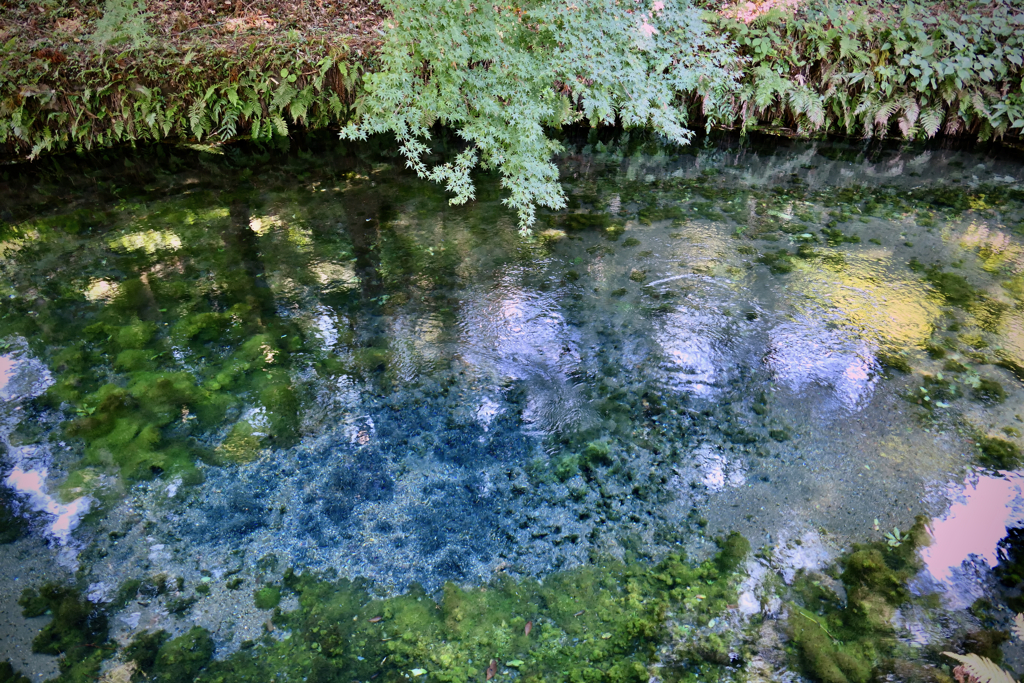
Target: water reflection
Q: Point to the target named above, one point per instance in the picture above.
(975, 523)
(366, 381)
(514, 332)
(808, 352)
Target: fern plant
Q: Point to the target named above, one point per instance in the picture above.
(499, 74)
(123, 22)
(977, 669)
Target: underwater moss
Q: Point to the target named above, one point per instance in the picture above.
(989, 391)
(999, 453)
(894, 361)
(9, 675)
(77, 632)
(953, 287)
(835, 237)
(835, 642)
(267, 597)
(584, 221)
(566, 467)
(596, 454)
(182, 659)
(12, 525)
(954, 366)
(144, 648)
(595, 623)
(778, 262)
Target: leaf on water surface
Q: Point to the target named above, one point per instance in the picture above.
(981, 669)
(492, 669)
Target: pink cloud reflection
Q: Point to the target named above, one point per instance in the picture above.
(973, 526)
(6, 369)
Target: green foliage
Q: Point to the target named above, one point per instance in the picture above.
(500, 74)
(96, 100)
(123, 22)
(910, 69)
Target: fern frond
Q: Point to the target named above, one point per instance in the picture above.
(981, 668)
(931, 120)
(884, 113)
(911, 112)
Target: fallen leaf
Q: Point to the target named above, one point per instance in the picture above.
(515, 663)
(418, 672)
(374, 620)
(65, 25)
(492, 669)
(120, 674)
(529, 627)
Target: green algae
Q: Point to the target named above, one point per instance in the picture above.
(77, 631)
(12, 524)
(9, 675)
(595, 623)
(842, 642)
(989, 391)
(999, 453)
(267, 597)
(953, 287)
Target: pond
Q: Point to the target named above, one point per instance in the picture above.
(260, 409)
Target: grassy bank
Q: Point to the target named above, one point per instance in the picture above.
(73, 79)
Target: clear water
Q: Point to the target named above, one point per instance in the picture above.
(359, 379)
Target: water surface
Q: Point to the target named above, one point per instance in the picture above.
(225, 366)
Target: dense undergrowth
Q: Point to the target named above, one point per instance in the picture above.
(910, 70)
(55, 102)
(913, 70)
